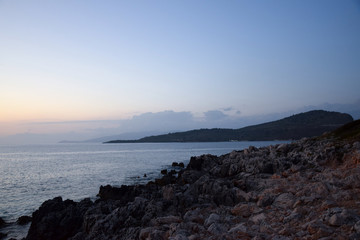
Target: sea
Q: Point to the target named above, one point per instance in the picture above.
(32, 174)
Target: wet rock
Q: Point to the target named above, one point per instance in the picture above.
(176, 164)
(2, 222)
(2, 235)
(23, 220)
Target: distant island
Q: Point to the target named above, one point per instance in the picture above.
(308, 124)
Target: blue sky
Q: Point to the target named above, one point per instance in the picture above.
(65, 61)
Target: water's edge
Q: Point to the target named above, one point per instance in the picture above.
(162, 156)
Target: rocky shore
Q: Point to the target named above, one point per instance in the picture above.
(309, 189)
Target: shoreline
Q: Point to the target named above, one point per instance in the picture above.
(287, 190)
(159, 161)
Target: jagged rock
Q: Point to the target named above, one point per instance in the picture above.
(23, 220)
(57, 219)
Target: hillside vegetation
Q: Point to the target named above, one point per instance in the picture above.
(309, 124)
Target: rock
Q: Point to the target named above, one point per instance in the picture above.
(180, 164)
(195, 163)
(284, 200)
(213, 218)
(336, 220)
(57, 219)
(319, 230)
(2, 235)
(145, 233)
(258, 218)
(166, 220)
(179, 237)
(357, 227)
(238, 228)
(216, 229)
(349, 217)
(109, 192)
(194, 216)
(23, 220)
(2, 222)
(168, 192)
(242, 209)
(265, 201)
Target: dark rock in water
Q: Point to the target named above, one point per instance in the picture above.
(57, 219)
(164, 171)
(23, 220)
(176, 164)
(2, 235)
(2, 222)
(195, 163)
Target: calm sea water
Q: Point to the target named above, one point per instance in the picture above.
(31, 174)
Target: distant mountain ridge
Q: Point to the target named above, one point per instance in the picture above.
(308, 124)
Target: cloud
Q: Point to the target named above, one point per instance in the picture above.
(153, 123)
(228, 109)
(214, 115)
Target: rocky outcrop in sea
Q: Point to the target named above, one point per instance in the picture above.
(309, 189)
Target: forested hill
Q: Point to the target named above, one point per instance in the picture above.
(301, 125)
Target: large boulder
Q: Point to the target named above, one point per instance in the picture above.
(57, 219)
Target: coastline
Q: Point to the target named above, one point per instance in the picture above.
(76, 158)
(307, 189)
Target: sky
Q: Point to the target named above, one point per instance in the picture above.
(104, 67)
